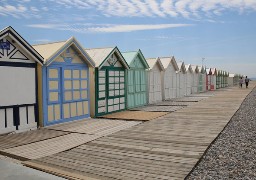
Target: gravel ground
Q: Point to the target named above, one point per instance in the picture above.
(233, 154)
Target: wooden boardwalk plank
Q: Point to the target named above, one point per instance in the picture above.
(135, 115)
(100, 127)
(49, 146)
(158, 108)
(13, 140)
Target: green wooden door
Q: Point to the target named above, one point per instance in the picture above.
(136, 88)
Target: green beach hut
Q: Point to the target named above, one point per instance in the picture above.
(136, 79)
(218, 79)
(108, 87)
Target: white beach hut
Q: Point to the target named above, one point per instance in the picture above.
(231, 80)
(208, 79)
(18, 83)
(181, 82)
(169, 77)
(189, 79)
(202, 79)
(195, 78)
(154, 80)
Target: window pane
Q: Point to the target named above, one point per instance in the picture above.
(53, 96)
(84, 73)
(76, 84)
(68, 96)
(76, 74)
(53, 85)
(67, 73)
(76, 95)
(53, 73)
(84, 94)
(67, 84)
(84, 84)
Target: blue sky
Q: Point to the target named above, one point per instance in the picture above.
(221, 31)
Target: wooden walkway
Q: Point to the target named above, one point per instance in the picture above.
(155, 108)
(135, 115)
(58, 138)
(165, 148)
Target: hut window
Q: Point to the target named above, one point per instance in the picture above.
(53, 85)
(75, 85)
(116, 83)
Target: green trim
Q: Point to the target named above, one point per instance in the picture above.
(107, 97)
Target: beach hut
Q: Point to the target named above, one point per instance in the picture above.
(218, 79)
(202, 79)
(109, 85)
(181, 82)
(189, 79)
(63, 82)
(195, 81)
(213, 79)
(222, 79)
(154, 80)
(226, 79)
(236, 79)
(208, 79)
(18, 83)
(231, 80)
(136, 79)
(169, 77)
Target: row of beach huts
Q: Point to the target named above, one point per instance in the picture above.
(57, 82)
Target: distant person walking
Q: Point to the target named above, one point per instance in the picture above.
(246, 81)
(241, 81)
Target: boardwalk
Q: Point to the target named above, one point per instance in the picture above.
(165, 148)
(58, 138)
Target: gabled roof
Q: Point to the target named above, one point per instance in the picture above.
(100, 55)
(201, 69)
(153, 61)
(231, 75)
(131, 56)
(181, 66)
(188, 68)
(9, 31)
(214, 71)
(208, 71)
(50, 51)
(195, 68)
(166, 61)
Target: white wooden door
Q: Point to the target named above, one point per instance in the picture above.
(157, 86)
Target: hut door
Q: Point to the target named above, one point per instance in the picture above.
(67, 94)
(157, 86)
(115, 91)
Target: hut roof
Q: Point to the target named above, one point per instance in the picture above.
(9, 31)
(99, 55)
(153, 61)
(50, 51)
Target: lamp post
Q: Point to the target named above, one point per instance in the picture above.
(203, 61)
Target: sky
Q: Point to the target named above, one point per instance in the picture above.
(222, 32)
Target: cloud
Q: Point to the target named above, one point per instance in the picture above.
(164, 8)
(107, 28)
(196, 9)
(130, 28)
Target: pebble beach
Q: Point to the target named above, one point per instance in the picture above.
(233, 153)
